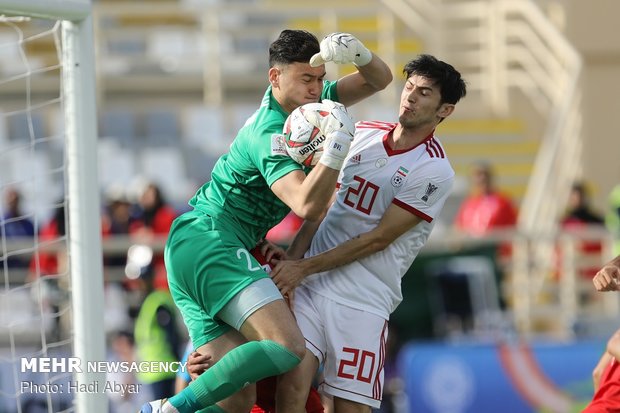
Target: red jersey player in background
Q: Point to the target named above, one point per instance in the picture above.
(606, 374)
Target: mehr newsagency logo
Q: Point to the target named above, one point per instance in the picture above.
(75, 365)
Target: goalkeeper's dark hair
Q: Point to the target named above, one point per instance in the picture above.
(293, 46)
(452, 86)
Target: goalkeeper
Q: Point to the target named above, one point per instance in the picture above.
(231, 307)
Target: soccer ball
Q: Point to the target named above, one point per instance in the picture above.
(306, 128)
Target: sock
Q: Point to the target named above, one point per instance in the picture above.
(212, 409)
(245, 364)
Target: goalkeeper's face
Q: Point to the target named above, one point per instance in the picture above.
(296, 84)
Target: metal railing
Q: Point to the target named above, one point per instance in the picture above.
(505, 45)
(554, 291)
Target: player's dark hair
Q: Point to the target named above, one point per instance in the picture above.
(452, 86)
(293, 46)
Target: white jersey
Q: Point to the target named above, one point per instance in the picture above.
(373, 177)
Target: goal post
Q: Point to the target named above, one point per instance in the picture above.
(84, 206)
(82, 186)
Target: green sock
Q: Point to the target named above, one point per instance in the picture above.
(212, 409)
(245, 364)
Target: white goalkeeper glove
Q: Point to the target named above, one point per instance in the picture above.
(338, 128)
(341, 48)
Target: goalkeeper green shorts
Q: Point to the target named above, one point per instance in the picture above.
(207, 266)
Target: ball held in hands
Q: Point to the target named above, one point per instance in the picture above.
(309, 127)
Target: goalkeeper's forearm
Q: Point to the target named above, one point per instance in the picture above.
(315, 192)
(376, 73)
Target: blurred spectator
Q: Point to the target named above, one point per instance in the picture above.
(14, 224)
(612, 218)
(117, 212)
(155, 215)
(486, 208)
(579, 211)
(52, 233)
(47, 269)
(578, 217)
(116, 220)
(158, 336)
(153, 220)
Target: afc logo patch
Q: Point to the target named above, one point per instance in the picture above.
(428, 192)
(277, 145)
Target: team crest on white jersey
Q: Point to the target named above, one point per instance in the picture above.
(399, 177)
(428, 192)
(277, 144)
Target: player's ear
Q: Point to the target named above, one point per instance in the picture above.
(445, 110)
(274, 76)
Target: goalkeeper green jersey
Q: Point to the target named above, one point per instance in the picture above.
(239, 192)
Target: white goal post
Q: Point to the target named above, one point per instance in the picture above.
(86, 262)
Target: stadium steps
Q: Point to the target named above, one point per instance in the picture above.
(499, 142)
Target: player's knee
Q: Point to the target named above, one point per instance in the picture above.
(296, 345)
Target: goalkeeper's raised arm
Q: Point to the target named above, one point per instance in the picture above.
(372, 74)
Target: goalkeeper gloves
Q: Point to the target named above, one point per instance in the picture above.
(341, 48)
(339, 129)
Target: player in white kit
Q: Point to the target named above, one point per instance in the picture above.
(393, 185)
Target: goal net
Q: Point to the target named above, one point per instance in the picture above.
(51, 281)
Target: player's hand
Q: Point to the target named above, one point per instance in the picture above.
(606, 279)
(197, 364)
(271, 251)
(339, 129)
(287, 275)
(341, 48)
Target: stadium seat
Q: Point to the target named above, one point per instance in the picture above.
(199, 164)
(165, 167)
(161, 128)
(205, 128)
(116, 167)
(119, 124)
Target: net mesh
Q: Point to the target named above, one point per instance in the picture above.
(35, 305)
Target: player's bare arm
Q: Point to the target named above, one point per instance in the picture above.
(287, 275)
(608, 277)
(307, 196)
(368, 80)
(303, 238)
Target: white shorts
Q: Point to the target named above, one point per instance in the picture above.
(349, 342)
